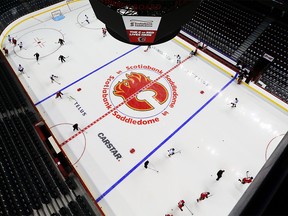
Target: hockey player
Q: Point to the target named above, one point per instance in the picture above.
(9, 39)
(219, 174)
(104, 32)
(20, 68)
(59, 94)
(62, 58)
(181, 204)
(20, 45)
(178, 57)
(240, 77)
(14, 41)
(246, 180)
(37, 56)
(193, 53)
(148, 47)
(52, 78)
(75, 127)
(233, 104)
(203, 196)
(171, 152)
(146, 164)
(6, 52)
(61, 41)
(86, 19)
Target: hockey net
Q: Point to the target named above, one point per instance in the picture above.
(57, 15)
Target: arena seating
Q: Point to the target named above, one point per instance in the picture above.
(7, 5)
(224, 27)
(273, 41)
(29, 178)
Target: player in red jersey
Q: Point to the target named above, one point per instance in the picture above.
(246, 180)
(181, 204)
(203, 196)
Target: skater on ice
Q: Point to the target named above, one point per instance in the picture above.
(52, 78)
(247, 179)
(6, 52)
(59, 94)
(62, 58)
(178, 57)
(20, 68)
(20, 45)
(219, 174)
(37, 56)
(104, 32)
(148, 47)
(181, 204)
(9, 39)
(75, 127)
(14, 41)
(171, 152)
(203, 196)
(146, 166)
(61, 41)
(234, 103)
(193, 53)
(86, 19)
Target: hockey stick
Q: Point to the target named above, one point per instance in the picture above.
(153, 169)
(179, 151)
(27, 75)
(71, 98)
(189, 210)
(57, 82)
(146, 166)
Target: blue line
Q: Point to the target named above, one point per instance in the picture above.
(163, 142)
(39, 102)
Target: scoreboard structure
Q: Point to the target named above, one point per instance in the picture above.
(144, 22)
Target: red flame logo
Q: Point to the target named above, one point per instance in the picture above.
(132, 85)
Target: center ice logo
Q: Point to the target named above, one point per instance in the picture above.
(140, 95)
(135, 82)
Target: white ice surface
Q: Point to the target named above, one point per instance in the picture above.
(210, 134)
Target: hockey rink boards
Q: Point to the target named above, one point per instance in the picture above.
(132, 106)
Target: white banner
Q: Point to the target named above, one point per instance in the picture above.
(141, 29)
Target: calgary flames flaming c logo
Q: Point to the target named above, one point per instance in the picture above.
(135, 82)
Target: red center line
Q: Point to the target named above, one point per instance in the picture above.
(122, 103)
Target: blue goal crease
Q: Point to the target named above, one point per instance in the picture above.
(164, 141)
(113, 60)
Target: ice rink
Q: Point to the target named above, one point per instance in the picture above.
(125, 99)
